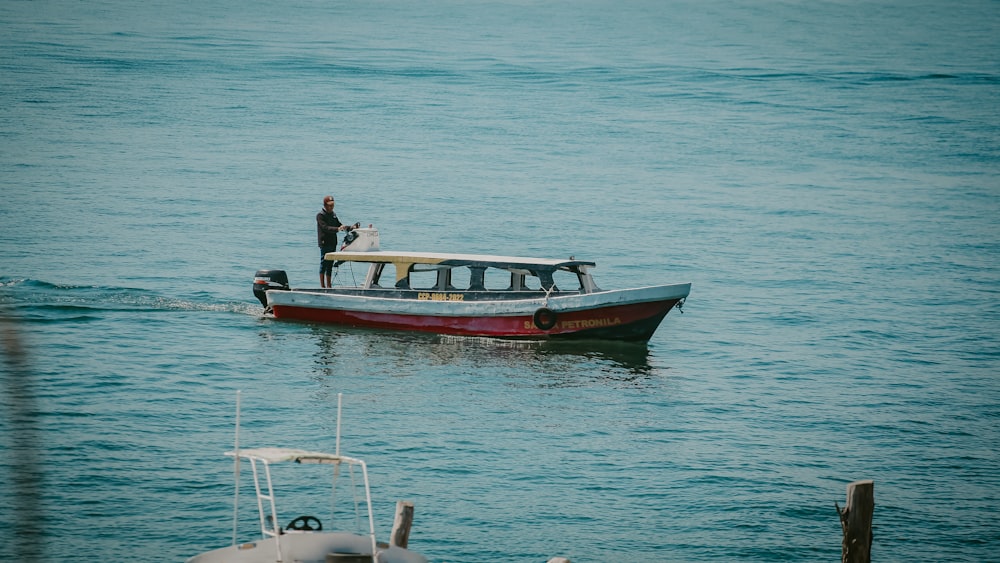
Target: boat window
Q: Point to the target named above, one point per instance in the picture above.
(496, 280)
(523, 280)
(566, 280)
(460, 278)
(384, 276)
(376, 272)
(423, 278)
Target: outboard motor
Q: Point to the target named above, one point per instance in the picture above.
(264, 280)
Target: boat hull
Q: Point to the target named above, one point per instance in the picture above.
(631, 315)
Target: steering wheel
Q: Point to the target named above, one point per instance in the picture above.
(305, 524)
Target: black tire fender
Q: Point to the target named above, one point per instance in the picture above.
(544, 318)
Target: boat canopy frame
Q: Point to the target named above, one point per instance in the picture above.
(519, 268)
(261, 460)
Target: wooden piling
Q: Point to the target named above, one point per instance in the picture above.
(856, 522)
(400, 536)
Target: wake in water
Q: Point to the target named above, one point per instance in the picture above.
(36, 298)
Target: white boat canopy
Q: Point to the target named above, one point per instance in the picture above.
(277, 455)
(456, 259)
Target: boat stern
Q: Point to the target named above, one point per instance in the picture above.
(265, 280)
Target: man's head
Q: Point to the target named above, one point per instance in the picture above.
(328, 202)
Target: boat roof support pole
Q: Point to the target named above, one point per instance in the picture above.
(336, 467)
(236, 469)
(371, 517)
(274, 511)
(276, 533)
(340, 399)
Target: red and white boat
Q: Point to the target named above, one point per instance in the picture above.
(470, 295)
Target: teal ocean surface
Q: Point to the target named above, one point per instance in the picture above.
(826, 174)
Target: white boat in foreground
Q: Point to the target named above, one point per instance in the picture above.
(303, 539)
(470, 295)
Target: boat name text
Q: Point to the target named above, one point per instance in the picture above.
(582, 323)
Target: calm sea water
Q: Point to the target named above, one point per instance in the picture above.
(826, 174)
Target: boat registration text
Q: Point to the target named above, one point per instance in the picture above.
(428, 296)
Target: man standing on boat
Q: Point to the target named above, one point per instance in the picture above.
(327, 226)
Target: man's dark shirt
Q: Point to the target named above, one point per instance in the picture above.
(327, 224)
